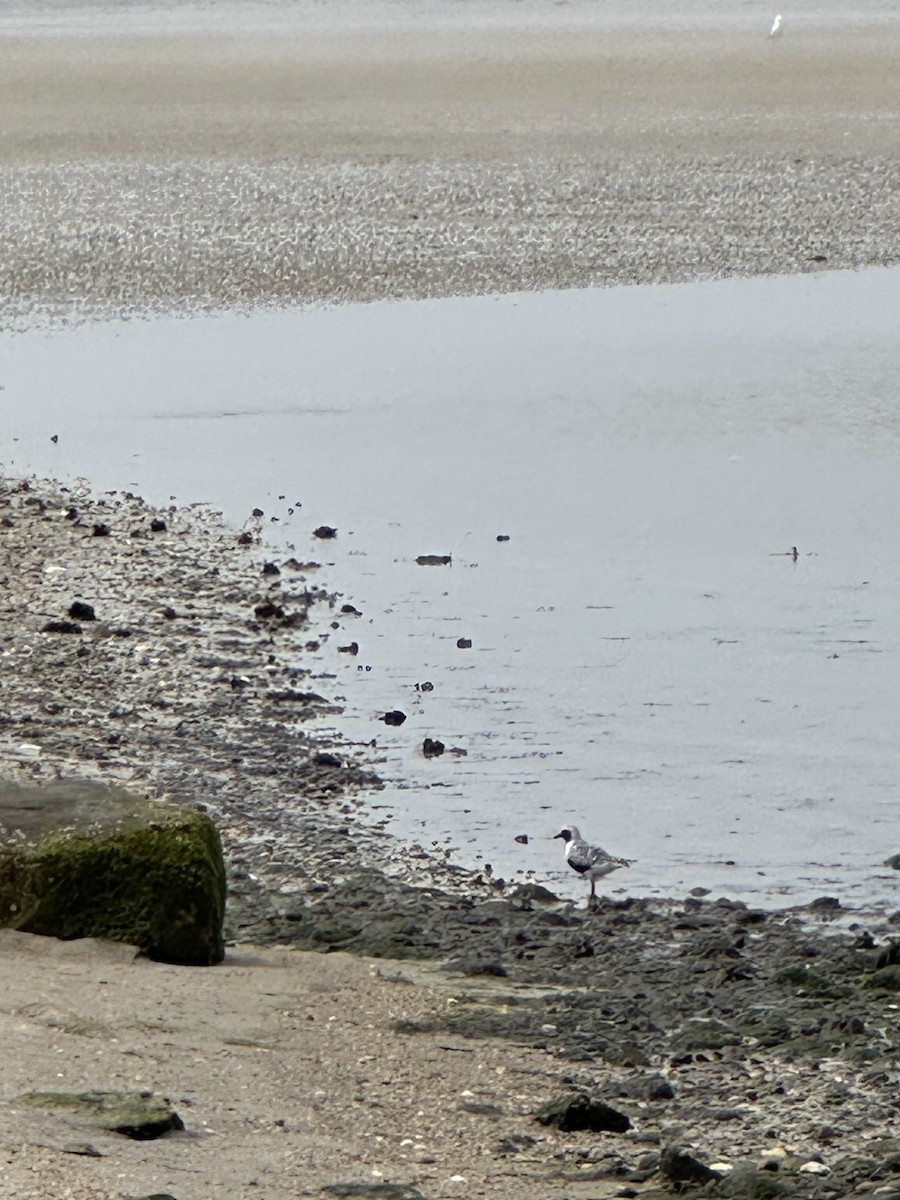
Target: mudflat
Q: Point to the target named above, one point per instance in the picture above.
(474, 96)
(244, 167)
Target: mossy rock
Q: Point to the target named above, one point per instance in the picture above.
(79, 859)
(138, 1115)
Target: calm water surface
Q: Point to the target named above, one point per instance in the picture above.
(647, 658)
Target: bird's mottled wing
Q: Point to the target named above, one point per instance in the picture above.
(583, 857)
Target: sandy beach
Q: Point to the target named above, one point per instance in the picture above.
(247, 165)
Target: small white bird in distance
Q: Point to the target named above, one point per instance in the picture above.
(589, 861)
(776, 27)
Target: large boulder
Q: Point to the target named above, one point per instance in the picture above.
(80, 859)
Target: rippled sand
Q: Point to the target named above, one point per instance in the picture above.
(186, 171)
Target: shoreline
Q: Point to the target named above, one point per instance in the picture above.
(675, 1011)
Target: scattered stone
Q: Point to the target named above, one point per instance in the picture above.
(502, 537)
(374, 1191)
(323, 759)
(155, 1196)
(141, 1116)
(578, 1110)
(101, 530)
(394, 717)
(245, 538)
(169, 613)
(679, 1168)
(353, 648)
(325, 531)
(82, 612)
(80, 859)
(464, 643)
(893, 861)
(477, 966)
(270, 568)
(348, 610)
(887, 979)
(434, 560)
(534, 892)
(83, 1148)
(158, 525)
(432, 748)
(521, 838)
(61, 627)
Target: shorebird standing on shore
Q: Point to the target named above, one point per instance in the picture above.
(591, 862)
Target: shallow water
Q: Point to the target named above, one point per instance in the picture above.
(648, 660)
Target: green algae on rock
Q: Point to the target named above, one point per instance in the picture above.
(81, 859)
(138, 1115)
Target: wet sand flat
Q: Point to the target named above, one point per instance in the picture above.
(152, 173)
(451, 95)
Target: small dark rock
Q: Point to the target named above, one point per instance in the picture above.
(824, 904)
(270, 569)
(522, 839)
(478, 966)
(101, 530)
(61, 627)
(258, 512)
(245, 538)
(502, 537)
(464, 643)
(353, 648)
(481, 1109)
(138, 1115)
(169, 613)
(893, 861)
(394, 717)
(434, 560)
(680, 1167)
(325, 531)
(374, 1191)
(154, 1196)
(268, 610)
(158, 525)
(432, 748)
(348, 610)
(324, 759)
(577, 1110)
(534, 891)
(82, 612)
